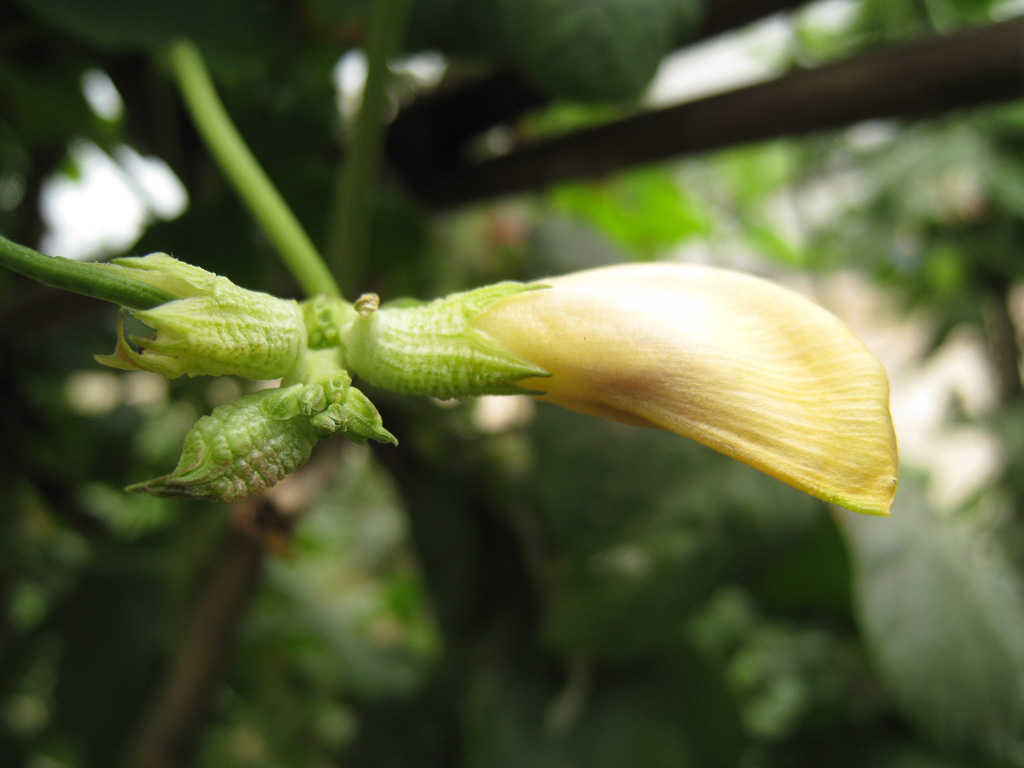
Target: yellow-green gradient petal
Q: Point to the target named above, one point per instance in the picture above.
(735, 362)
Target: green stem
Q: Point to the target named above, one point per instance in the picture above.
(245, 174)
(96, 280)
(351, 221)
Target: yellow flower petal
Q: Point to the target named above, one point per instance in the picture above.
(737, 363)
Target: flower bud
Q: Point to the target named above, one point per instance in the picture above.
(214, 328)
(251, 443)
(237, 451)
(739, 364)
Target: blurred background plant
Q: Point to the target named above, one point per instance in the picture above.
(513, 585)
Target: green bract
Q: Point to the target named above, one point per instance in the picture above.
(214, 328)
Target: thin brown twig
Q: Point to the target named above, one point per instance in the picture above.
(167, 738)
(168, 735)
(429, 136)
(929, 76)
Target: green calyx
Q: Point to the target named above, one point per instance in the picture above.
(212, 328)
(431, 349)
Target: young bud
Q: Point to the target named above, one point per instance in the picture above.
(739, 364)
(214, 328)
(432, 349)
(251, 443)
(237, 451)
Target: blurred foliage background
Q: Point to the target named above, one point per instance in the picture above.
(512, 585)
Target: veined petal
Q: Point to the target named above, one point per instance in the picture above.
(748, 368)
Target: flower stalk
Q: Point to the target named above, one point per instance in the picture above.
(347, 243)
(734, 362)
(89, 279)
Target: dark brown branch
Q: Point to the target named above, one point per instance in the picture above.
(931, 76)
(167, 736)
(432, 133)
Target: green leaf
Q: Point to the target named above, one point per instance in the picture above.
(769, 241)
(670, 712)
(594, 49)
(753, 174)
(112, 606)
(645, 525)
(586, 50)
(374, 639)
(943, 613)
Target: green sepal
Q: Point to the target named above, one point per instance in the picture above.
(124, 358)
(430, 349)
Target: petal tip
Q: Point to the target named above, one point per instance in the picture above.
(878, 504)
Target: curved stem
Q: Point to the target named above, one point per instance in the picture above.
(245, 174)
(347, 247)
(96, 280)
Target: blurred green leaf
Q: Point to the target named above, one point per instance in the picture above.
(642, 212)
(228, 30)
(645, 524)
(814, 577)
(93, 716)
(352, 589)
(586, 50)
(788, 678)
(753, 173)
(593, 49)
(768, 241)
(670, 713)
(943, 614)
